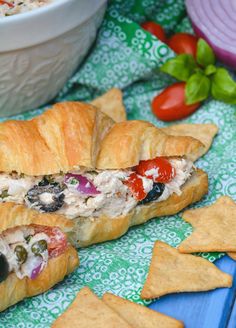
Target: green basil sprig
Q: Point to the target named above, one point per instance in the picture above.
(223, 86)
(181, 67)
(202, 77)
(205, 55)
(197, 88)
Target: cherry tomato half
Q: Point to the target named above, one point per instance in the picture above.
(170, 105)
(58, 240)
(2, 2)
(155, 29)
(135, 185)
(158, 169)
(183, 43)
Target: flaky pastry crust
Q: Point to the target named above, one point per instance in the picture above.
(60, 139)
(129, 142)
(12, 215)
(74, 134)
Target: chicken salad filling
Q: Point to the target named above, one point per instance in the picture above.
(13, 7)
(26, 250)
(93, 193)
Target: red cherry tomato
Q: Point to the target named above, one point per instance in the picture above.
(155, 29)
(170, 105)
(58, 240)
(183, 43)
(2, 2)
(135, 185)
(158, 169)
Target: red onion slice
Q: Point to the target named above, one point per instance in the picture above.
(36, 271)
(215, 21)
(84, 185)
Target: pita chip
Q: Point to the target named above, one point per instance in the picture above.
(232, 255)
(139, 316)
(87, 310)
(111, 104)
(202, 132)
(214, 228)
(172, 272)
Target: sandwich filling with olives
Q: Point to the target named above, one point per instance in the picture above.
(26, 250)
(112, 193)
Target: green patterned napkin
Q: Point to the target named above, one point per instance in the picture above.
(128, 57)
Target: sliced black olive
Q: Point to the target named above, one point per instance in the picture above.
(4, 267)
(153, 194)
(21, 254)
(39, 247)
(57, 197)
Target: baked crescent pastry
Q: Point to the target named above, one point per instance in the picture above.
(75, 161)
(34, 252)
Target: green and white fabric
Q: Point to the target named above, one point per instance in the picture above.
(127, 57)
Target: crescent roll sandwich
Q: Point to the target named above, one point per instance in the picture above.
(34, 252)
(75, 161)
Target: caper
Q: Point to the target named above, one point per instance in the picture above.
(39, 247)
(28, 238)
(4, 267)
(21, 254)
(4, 194)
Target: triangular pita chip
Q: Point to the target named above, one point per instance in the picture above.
(232, 255)
(139, 316)
(172, 272)
(111, 104)
(87, 310)
(202, 132)
(214, 228)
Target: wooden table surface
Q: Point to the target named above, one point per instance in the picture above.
(214, 309)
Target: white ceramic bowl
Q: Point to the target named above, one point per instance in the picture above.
(40, 49)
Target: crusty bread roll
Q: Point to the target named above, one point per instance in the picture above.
(13, 289)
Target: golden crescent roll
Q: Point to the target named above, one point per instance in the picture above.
(78, 137)
(129, 142)
(73, 134)
(60, 139)
(14, 289)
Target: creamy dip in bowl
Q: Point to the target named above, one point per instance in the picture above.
(13, 7)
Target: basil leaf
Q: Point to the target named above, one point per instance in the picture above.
(223, 86)
(181, 67)
(210, 69)
(205, 55)
(197, 88)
